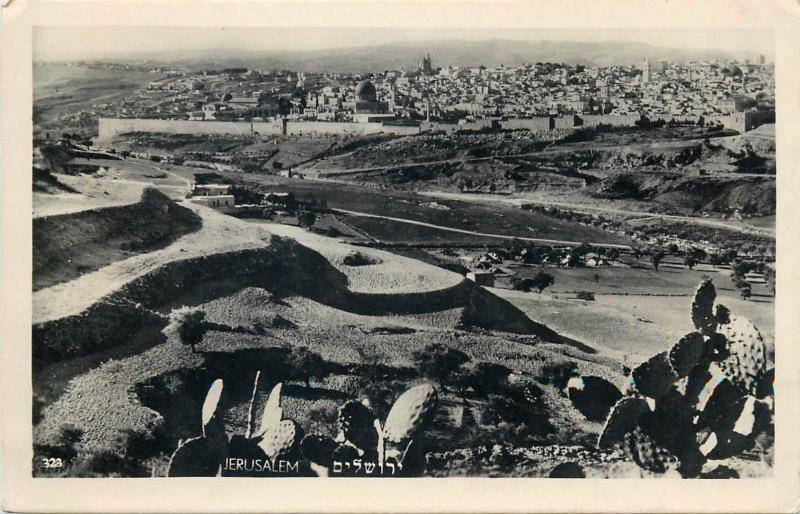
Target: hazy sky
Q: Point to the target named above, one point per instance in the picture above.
(53, 43)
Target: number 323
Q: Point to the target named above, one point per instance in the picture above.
(52, 463)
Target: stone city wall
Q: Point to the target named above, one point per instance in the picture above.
(532, 124)
(111, 127)
(294, 128)
(593, 120)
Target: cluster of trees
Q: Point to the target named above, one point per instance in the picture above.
(188, 325)
(540, 281)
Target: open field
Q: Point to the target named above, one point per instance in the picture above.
(632, 327)
(61, 89)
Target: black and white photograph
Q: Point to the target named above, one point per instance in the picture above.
(374, 253)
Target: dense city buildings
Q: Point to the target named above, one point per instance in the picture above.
(670, 91)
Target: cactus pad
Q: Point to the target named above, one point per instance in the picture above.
(649, 455)
(357, 422)
(747, 362)
(409, 413)
(318, 449)
(702, 308)
(686, 353)
(655, 376)
(273, 413)
(212, 401)
(723, 407)
(194, 458)
(593, 396)
(623, 418)
(280, 439)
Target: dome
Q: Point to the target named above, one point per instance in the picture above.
(365, 91)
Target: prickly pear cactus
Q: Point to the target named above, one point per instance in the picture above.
(709, 397)
(648, 454)
(194, 458)
(702, 308)
(280, 439)
(410, 412)
(623, 418)
(686, 353)
(655, 376)
(318, 449)
(357, 425)
(746, 363)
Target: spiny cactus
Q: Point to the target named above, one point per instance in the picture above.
(194, 457)
(273, 413)
(623, 418)
(357, 424)
(747, 360)
(709, 397)
(686, 353)
(702, 308)
(361, 438)
(203, 456)
(655, 376)
(409, 413)
(647, 453)
(281, 439)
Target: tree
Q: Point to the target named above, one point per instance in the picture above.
(741, 268)
(746, 292)
(305, 364)
(542, 280)
(306, 219)
(437, 361)
(690, 261)
(188, 325)
(698, 253)
(613, 254)
(656, 259)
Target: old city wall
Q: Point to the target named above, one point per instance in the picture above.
(593, 120)
(111, 127)
(332, 127)
(534, 124)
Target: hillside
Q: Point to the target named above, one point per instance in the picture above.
(395, 56)
(69, 245)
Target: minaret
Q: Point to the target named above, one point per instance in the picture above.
(646, 71)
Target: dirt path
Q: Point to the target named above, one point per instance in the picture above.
(589, 209)
(219, 233)
(481, 234)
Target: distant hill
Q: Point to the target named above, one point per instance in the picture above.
(490, 53)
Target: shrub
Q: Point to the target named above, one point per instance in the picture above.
(585, 295)
(357, 259)
(557, 373)
(437, 361)
(483, 377)
(188, 325)
(306, 364)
